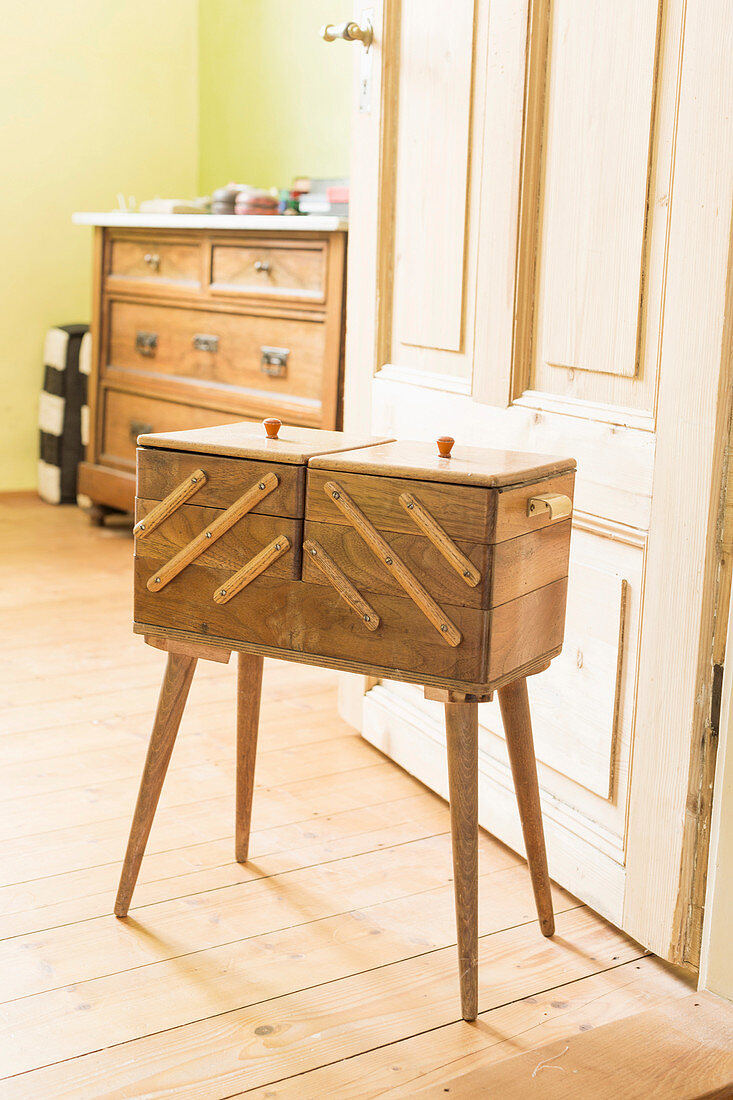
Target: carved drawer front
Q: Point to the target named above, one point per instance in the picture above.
(174, 264)
(190, 349)
(270, 270)
(125, 416)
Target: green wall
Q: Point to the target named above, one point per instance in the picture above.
(96, 97)
(275, 100)
(146, 97)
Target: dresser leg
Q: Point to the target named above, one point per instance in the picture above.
(173, 694)
(461, 724)
(514, 703)
(249, 688)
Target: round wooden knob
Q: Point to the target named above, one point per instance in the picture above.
(272, 426)
(445, 446)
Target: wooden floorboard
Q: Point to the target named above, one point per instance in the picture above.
(692, 1041)
(326, 966)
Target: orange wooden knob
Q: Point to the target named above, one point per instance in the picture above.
(272, 426)
(445, 446)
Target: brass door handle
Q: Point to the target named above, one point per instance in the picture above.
(349, 32)
(558, 506)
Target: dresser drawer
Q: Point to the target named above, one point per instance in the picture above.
(154, 262)
(272, 356)
(270, 270)
(125, 416)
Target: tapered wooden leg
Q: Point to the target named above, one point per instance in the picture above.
(173, 694)
(514, 703)
(461, 724)
(249, 688)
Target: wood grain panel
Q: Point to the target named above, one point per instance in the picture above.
(347, 549)
(233, 549)
(269, 270)
(466, 513)
(237, 360)
(126, 415)
(159, 471)
(179, 263)
(433, 163)
(597, 137)
(523, 630)
(313, 619)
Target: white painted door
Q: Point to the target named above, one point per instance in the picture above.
(539, 258)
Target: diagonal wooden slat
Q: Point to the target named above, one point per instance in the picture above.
(342, 584)
(214, 531)
(170, 504)
(404, 576)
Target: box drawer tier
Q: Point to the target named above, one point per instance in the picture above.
(174, 264)
(159, 473)
(270, 270)
(270, 358)
(125, 416)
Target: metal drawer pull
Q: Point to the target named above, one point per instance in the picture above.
(342, 584)
(169, 504)
(139, 427)
(440, 539)
(264, 266)
(214, 531)
(404, 577)
(152, 259)
(146, 343)
(558, 506)
(202, 342)
(256, 565)
(274, 361)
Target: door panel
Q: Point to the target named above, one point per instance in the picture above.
(432, 182)
(598, 117)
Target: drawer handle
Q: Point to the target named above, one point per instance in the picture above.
(264, 266)
(169, 504)
(214, 531)
(256, 565)
(342, 584)
(146, 343)
(139, 427)
(404, 577)
(556, 504)
(202, 342)
(152, 259)
(440, 539)
(274, 361)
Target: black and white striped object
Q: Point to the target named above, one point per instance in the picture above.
(62, 411)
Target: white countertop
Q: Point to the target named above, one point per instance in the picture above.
(305, 223)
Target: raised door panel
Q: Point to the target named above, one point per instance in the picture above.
(600, 85)
(432, 179)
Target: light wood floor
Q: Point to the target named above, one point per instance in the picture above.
(326, 967)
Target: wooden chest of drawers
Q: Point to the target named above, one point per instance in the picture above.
(196, 327)
(382, 557)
